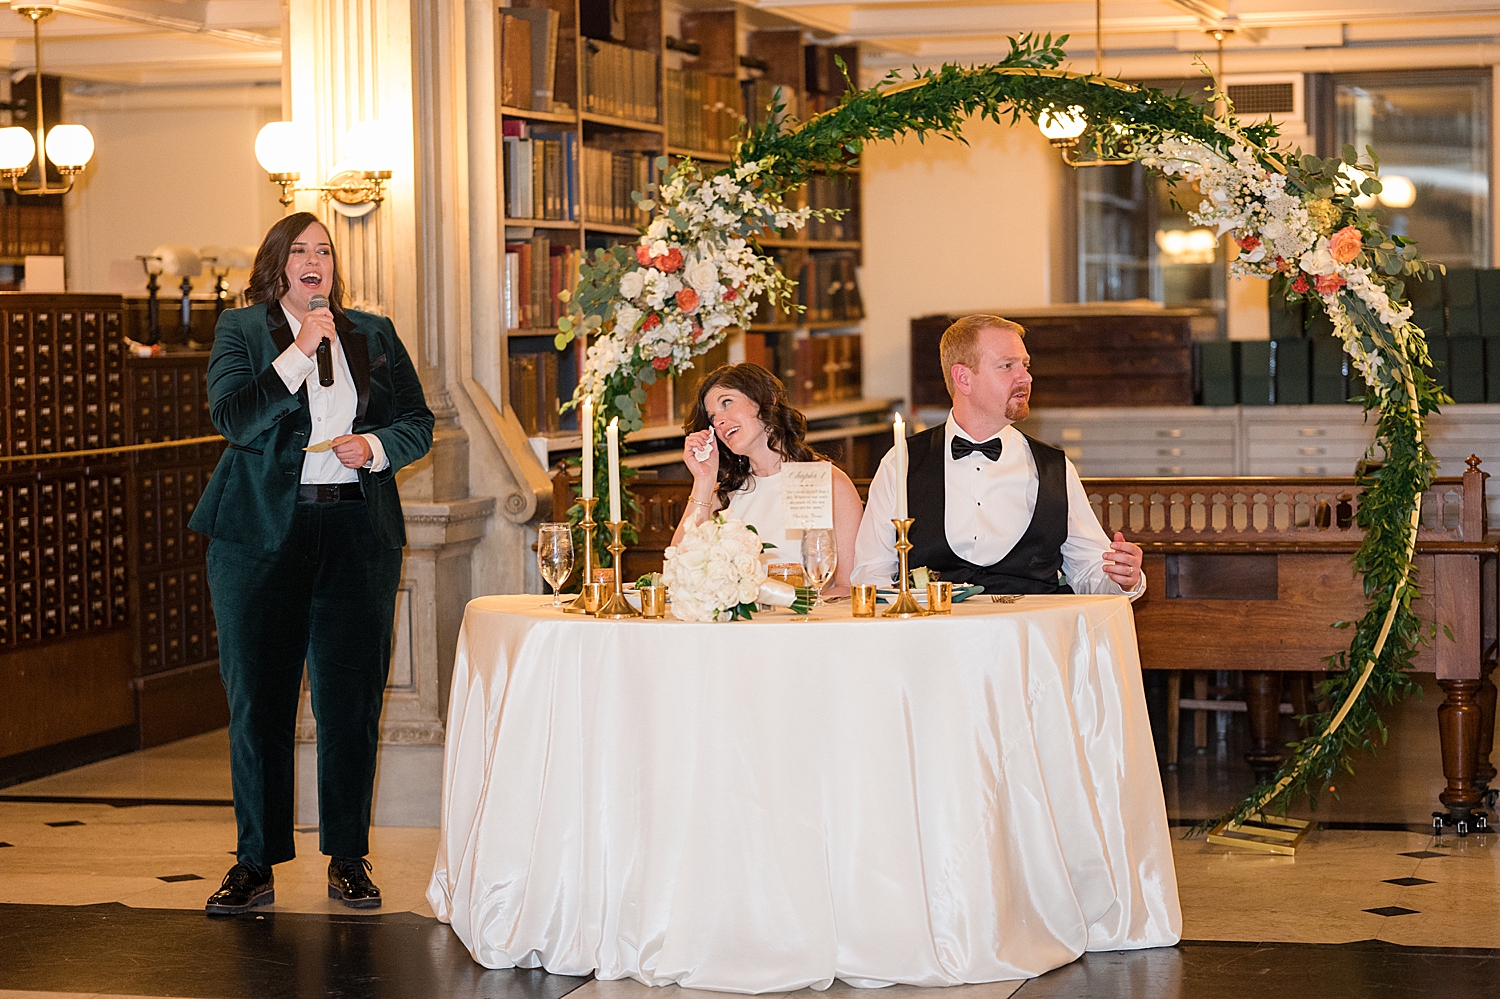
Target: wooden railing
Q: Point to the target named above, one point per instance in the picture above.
(1272, 510)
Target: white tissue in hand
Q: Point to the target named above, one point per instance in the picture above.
(703, 453)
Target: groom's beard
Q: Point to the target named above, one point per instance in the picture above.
(1018, 407)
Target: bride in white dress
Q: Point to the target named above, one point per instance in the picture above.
(744, 429)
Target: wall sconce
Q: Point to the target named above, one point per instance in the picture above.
(69, 147)
(358, 184)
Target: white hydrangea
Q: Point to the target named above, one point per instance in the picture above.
(716, 568)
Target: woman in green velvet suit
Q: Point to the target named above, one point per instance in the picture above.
(305, 557)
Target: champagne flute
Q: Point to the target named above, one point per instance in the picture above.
(820, 557)
(554, 556)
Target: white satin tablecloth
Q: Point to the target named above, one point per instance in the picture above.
(767, 806)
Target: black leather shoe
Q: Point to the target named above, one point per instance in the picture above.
(245, 887)
(348, 881)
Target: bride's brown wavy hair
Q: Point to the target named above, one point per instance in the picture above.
(786, 428)
(268, 275)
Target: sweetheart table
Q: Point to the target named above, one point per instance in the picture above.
(766, 806)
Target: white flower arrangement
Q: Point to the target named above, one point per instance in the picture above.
(1281, 232)
(715, 574)
(695, 273)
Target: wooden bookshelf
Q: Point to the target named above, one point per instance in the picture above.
(566, 116)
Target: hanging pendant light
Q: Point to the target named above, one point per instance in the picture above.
(68, 147)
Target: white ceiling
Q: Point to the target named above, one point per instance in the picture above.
(164, 42)
(151, 41)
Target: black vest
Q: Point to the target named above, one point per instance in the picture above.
(1032, 565)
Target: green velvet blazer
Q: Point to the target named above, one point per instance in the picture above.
(252, 495)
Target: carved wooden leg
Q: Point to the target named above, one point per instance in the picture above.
(1263, 704)
(1484, 773)
(1459, 722)
(1174, 715)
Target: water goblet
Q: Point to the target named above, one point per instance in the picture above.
(820, 557)
(554, 556)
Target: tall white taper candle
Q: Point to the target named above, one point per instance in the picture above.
(612, 438)
(586, 417)
(898, 429)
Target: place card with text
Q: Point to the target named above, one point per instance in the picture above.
(807, 495)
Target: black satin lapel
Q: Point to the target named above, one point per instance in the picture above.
(278, 327)
(357, 353)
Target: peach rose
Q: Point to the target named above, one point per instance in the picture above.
(687, 300)
(1328, 284)
(1345, 244)
(643, 256)
(661, 363)
(669, 261)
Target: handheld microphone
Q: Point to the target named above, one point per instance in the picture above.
(325, 349)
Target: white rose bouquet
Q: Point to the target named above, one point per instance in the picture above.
(716, 573)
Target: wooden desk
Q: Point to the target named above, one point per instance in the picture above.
(1249, 573)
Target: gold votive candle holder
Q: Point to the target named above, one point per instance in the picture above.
(862, 598)
(939, 597)
(605, 575)
(787, 572)
(594, 596)
(653, 601)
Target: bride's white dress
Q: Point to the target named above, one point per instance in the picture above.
(758, 503)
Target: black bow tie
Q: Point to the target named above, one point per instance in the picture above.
(990, 448)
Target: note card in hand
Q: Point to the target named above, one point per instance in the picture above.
(320, 447)
(807, 494)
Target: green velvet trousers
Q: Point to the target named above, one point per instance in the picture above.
(326, 597)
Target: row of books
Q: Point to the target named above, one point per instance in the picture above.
(619, 81)
(533, 392)
(840, 191)
(541, 173)
(704, 112)
(609, 178)
(1297, 371)
(528, 57)
(827, 288)
(536, 271)
(31, 230)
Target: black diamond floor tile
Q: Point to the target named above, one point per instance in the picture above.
(1393, 910)
(1422, 855)
(195, 877)
(70, 822)
(1409, 882)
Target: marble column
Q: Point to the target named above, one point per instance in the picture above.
(394, 60)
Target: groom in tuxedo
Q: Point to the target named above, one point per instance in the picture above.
(991, 505)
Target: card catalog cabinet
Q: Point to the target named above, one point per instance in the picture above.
(1311, 441)
(106, 634)
(176, 642)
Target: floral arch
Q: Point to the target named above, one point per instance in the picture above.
(697, 272)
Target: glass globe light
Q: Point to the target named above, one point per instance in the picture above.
(368, 146)
(279, 147)
(1062, 126)
(17, 148)
(70, 147)
(1397, 191)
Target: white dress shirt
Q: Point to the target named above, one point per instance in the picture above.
(987, 508)
(331, 408)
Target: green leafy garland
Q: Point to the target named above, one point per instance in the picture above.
(1390, 352)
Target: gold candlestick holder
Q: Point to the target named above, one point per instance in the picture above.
(577, 607)
(618, 607)
(906, 605)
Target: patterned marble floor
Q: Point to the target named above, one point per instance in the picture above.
(103, 872)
